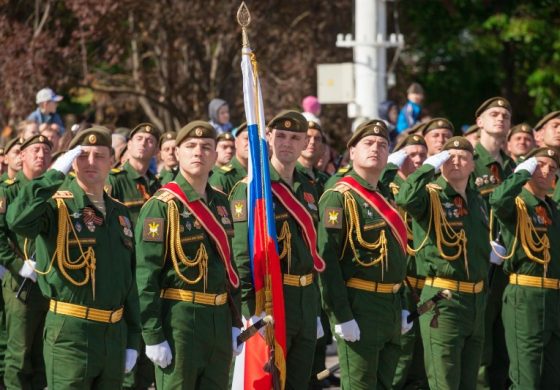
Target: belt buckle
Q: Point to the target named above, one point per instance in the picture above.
(220, 299)
(302, 280)
(111, 321)
(396, 288)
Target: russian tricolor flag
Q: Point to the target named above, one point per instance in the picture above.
(263, 247)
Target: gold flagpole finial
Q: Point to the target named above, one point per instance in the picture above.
(244, 19)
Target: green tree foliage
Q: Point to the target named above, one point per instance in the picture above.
(465, 51)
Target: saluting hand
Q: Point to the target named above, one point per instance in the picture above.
(397, 157)
(64, 162)
(437, 160)
(529, 165)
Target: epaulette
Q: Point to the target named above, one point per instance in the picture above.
(116, 170)
(343, 170)
(341, 187)
(394, 188)
(433, 186)
(9, 182)
(63, 195)
(164, 196)
(219, 191)
(227, 168)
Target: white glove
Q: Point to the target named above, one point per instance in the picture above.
(28, 270)
(320, 330)
(2, 272)
(64, 162)
(528, 165)
(254, 319)
(130, 360)
(159, 354)
(398, 157)
(405, 325)
(236, 348)
(348, 330)
(437, 160)
(497, 253)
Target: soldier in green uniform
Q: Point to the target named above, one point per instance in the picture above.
(547, 134)
(92, 330)
(12, 159)
(452, 247)
(188, 287)
(530, 226)
(225, 178)
(408, 155)
(520, 141)
(25, 314)
(133, 183)
(310, 155)
(363, 241)
(293, 196)
(341, 172)
(436, 132)
(225, 148)
(492, 166)
(168, 158)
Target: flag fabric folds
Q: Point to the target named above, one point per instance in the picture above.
(263, 246)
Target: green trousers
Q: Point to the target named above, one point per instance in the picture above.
(302, 311)
(370, 363)
(142, 375)
(321, 348)
(410, 372)
(453, 350)
(493, 370)
(200, 341)
(82, 354)
(24, 365)
(531, 318)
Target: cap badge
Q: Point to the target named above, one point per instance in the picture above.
(440, 123)
(169, 136)
(287, 124)
(456, 143)
(524, 128)
(92, 139)
(500, 102)
(148, 129)
(41, 138)
(376, 130)
(198, 132)
(550, 152)
(416, 138)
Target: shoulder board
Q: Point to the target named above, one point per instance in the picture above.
(164, 196)
(226, 168)
(341, 187)
(9, 182)
(116, 170)
(343, 170)
(63, 195)
(433, 186)
(245, 180)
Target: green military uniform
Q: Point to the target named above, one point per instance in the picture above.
(318, 178)
(132, 188)
(555, 194)
(25, 317)
(488, 174)
(410, 368)
(362, 280)
(530, 229)
(183, 284)
(226, 177)
(167, 175)
(452, 248)
(81, 353)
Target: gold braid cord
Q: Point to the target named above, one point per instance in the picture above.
(176, 249)
(285, 236)
(85, 261)
(445, 235)
(411, 252)
(353, 225)
(533, 245)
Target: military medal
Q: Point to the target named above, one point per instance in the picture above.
(188, 225)
(76, 215)
(185, 214)
(127, 226)
(78, 227)
(310, 200)
(222, 212)
(197, 224)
